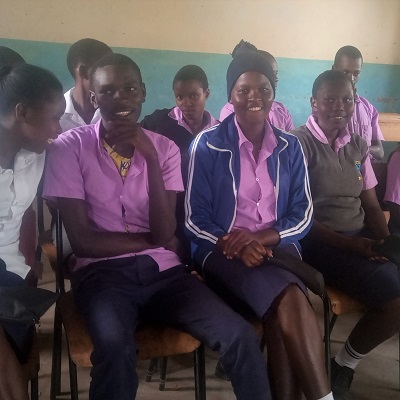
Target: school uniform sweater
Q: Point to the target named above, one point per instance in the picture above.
(335, 180)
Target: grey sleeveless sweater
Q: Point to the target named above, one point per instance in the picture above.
(335, 180)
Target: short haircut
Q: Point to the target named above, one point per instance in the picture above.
(9, 57)
(114, 59)
(331, 76)
(348, 51)
(191, 73)
(26, 84)
(86, 51)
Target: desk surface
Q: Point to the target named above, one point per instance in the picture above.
(390, 125)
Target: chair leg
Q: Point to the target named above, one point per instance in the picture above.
(332, 323)
(327, 336)
(152, 367)
(35, 388)
(200, 373)
(163, 372)
(55, 386)
(73, 379)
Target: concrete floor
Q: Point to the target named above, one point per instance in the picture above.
(377, 376)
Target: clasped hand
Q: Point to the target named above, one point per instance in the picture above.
(244, 245)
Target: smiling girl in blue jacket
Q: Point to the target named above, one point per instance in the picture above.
(248, 199)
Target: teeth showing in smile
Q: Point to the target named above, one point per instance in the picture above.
(50, 140)
(123, 113)
(254, 108)
(338, 117)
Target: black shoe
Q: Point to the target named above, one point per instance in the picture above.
(341, 378)
(220, 372)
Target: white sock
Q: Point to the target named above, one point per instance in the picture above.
(348, 357)
(329, 396)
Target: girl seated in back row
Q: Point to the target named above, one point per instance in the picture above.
(181, 124)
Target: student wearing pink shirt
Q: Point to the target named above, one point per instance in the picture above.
(392, 195)
(364, 122)
(279, 115)
(348, 223)
(247, 200)
(181, 124)
(115, 185)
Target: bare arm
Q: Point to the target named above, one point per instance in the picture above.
(86, 242)
(374, 217)
(376, 150)
(360, 245)
(394, 210)
(162, 203)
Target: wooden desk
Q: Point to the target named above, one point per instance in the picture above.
(390, 125)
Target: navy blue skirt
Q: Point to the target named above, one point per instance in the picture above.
(241, 286)
(372, 282)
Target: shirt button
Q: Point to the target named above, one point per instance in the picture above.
(258, 204)
(257, 179)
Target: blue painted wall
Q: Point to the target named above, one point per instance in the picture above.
(380, 83)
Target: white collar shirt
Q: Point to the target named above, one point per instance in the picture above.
(18, 187)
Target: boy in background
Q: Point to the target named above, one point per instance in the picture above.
(80, 58)
(364, 122)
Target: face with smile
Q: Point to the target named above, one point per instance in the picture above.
(252, 97)
(119, 93)
(191, 99)
(333, 105)
(41, 123)
(350, 66)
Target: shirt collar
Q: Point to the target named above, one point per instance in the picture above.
(269, 142)
(69, 106)
(318, 133)
(177, 115)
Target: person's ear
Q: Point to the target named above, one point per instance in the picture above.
(207, 93)
(230, 100)
(93, 100)
(83, 71)
(313, 103)
(144, 92)
(21, 111)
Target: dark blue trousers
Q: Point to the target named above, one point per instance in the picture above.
(114, 295)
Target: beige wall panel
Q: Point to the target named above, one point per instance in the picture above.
(309, 29)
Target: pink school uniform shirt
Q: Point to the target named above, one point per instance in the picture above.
(279, 115)
(369, 179)
(177, 115)
(256, 200)
(393, 179)
(79, 167)
(364, 121)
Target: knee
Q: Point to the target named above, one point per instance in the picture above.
(392, 311)
(113, 343)
(241, 334)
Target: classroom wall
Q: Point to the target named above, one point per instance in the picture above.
(163, 35)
